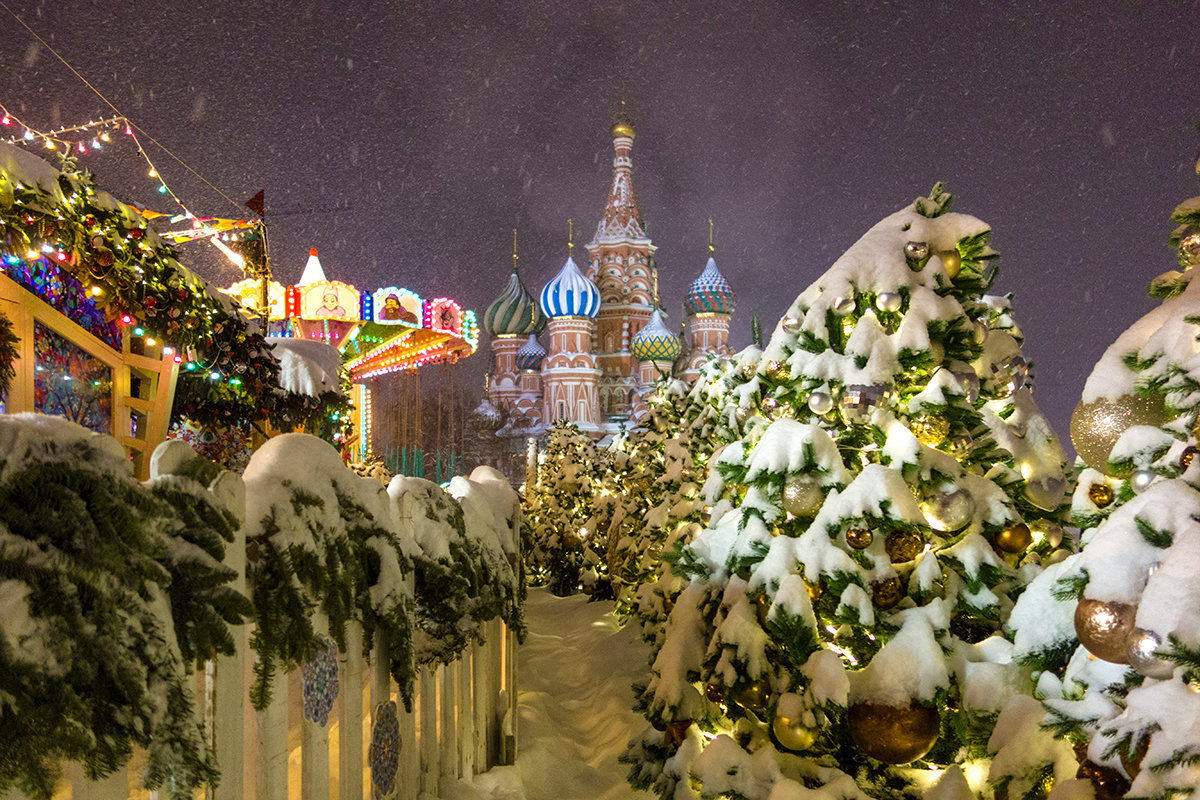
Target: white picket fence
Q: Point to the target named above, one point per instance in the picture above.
(463, 722)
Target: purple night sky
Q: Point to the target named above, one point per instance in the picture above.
(405, 140)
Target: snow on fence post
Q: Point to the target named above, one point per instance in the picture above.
(350, 744)
(466, 715)
(430, 747)
(409, 779)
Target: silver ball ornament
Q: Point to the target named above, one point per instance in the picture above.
(820, 402)
(1046, 493)
(1046, 530)
(1143, 654)
(1141, 479)
(791, 325)
(843, 306)
(916, 254)
(888, 301)
(949, 509)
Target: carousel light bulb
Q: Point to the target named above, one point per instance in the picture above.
(153, 172)
(6, 120)
(49, 144)
(104, 137)
(214, 375)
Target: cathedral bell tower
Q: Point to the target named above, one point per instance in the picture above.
(620, 258)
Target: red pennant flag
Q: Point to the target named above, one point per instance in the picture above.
(257, 204)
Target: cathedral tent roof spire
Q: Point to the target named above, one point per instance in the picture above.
(622, 219)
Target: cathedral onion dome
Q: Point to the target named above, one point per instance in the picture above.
(710, 293)
(513, 313)
(655, 342)
(570, 294)
(531, 354)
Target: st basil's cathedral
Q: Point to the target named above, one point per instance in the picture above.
(607, 341)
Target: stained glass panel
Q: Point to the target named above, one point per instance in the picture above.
(69, 382)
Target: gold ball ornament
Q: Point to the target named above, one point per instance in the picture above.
(1104, 627)
(676, 733)
(778, 370)
(1014, 538)
(930, 429)
(903, 545)
(791, 325)
(762, 608)
(802, 495)
(859, 538)
(1132, 761)
(792, 734)
(1143, 655)
(951, 262)
(886, 593)
(1096, 426)
(893, 734)
(714, 693)
(959, 445)
(754, 696)
(1101, 494)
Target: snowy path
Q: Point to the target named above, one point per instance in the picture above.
(573, 677)
(573, 680)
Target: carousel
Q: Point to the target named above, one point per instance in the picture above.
(377, 333)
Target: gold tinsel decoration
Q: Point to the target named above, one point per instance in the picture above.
(859, 538)
(930, 429)
(1101, 494)
(1185, 458)
(1014, 538)
(893, 734)
(1104, 626)
(903, 545)
(886, 593)
(1107, 783)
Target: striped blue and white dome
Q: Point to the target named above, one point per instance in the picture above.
(710, 293)
(531, 354)
(655, 342)
(570, 294)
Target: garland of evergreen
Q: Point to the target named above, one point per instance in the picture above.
(109, 590)
(106, 244)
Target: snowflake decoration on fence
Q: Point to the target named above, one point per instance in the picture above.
(384, 753)
(320, 683)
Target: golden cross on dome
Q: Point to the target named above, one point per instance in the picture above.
(711, 249)
(570, 236)
(514, 249)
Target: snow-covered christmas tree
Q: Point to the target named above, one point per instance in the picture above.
(559, 506)
(893, 487)
(1114, 631)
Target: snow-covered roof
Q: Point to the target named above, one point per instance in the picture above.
(307, 366)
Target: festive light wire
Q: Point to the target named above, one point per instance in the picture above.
(130, 127)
